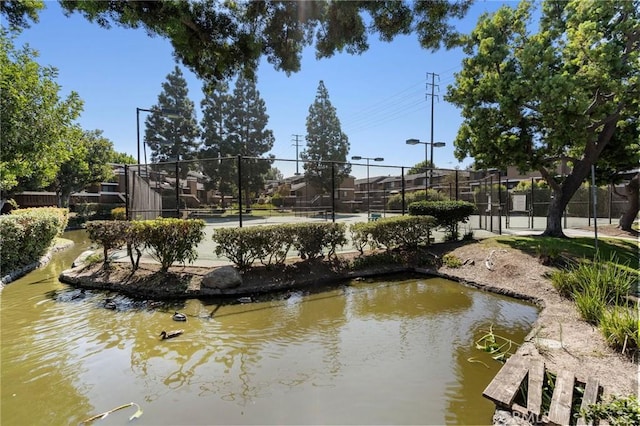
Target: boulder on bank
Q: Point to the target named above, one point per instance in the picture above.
(222, 278)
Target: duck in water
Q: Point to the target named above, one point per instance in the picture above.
(170, 334)
(179, 317)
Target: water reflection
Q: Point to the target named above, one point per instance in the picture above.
(391, 351)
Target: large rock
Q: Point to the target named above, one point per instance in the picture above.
(82, 259)
(222, 278)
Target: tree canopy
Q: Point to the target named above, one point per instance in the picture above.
(88, 165)
(568, 93)
(171, 127)
(36, 123)
(326, 142)
(217, 39)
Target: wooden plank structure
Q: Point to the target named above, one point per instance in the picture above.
(506, 385)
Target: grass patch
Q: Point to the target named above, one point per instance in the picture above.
(619, 325)
(625, 251)
(451, 260)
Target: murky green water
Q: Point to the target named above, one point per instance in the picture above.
(384, 352)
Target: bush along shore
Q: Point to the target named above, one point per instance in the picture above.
(27, 237)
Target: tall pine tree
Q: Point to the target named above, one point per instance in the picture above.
(325, 142)
(247, 135)
(171, 128)
(215, 114)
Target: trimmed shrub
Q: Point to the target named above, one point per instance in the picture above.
(361, 235)
(446, 213)
(395, 201)
(235, 244)
(312, 239)
(171, 240)
(119, 213)
(110, 234)
(400, 232)
(27, 234)
(243, 246)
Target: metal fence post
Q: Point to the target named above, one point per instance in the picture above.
(457, 189)
(240, 189)
(333, 192)
(177, 188)
(402, 187)
(127, 200)
(532, 205)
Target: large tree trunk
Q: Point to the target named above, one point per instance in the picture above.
(557, 205)
(631, 190)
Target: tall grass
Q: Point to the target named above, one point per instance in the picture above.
(619, 324)
(600, 289)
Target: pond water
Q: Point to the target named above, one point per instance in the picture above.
(395, 350)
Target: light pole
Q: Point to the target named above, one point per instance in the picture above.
(356, 158)
(427, 182)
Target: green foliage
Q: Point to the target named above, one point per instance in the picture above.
(590, 303)
(313, 239)
(270, 244)
(27, 234)
(17, 12)
(598, 289)
(171, 240)
(375, 260)
(110, 234)
(446, 213)
(237, 244)
(420, 167)
(532, 99)
(37, 124)
(89, 164)
(619, 325)
(243, 246)
(395, 201)
(499, 347)
(175, 134)
(616, 411)
(622, 252)
(451, 260)
(247, 133)
(119, 213)
(325, 142)
(401, 232)
(240, 33)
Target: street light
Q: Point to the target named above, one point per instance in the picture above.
(170, 113)
(356, 158)
(427, 182)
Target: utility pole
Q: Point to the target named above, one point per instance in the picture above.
(297, 144)
(433, 95)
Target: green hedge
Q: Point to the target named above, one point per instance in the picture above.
(446, 213)
(109, 234)
(270, 244)
(27, 234)
(395, 201)
(169, 240)
(401, 232)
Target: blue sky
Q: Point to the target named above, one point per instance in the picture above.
(380, 96)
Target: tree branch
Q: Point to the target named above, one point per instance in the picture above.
(550, 180)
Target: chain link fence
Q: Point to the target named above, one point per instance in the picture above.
(237, 188)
